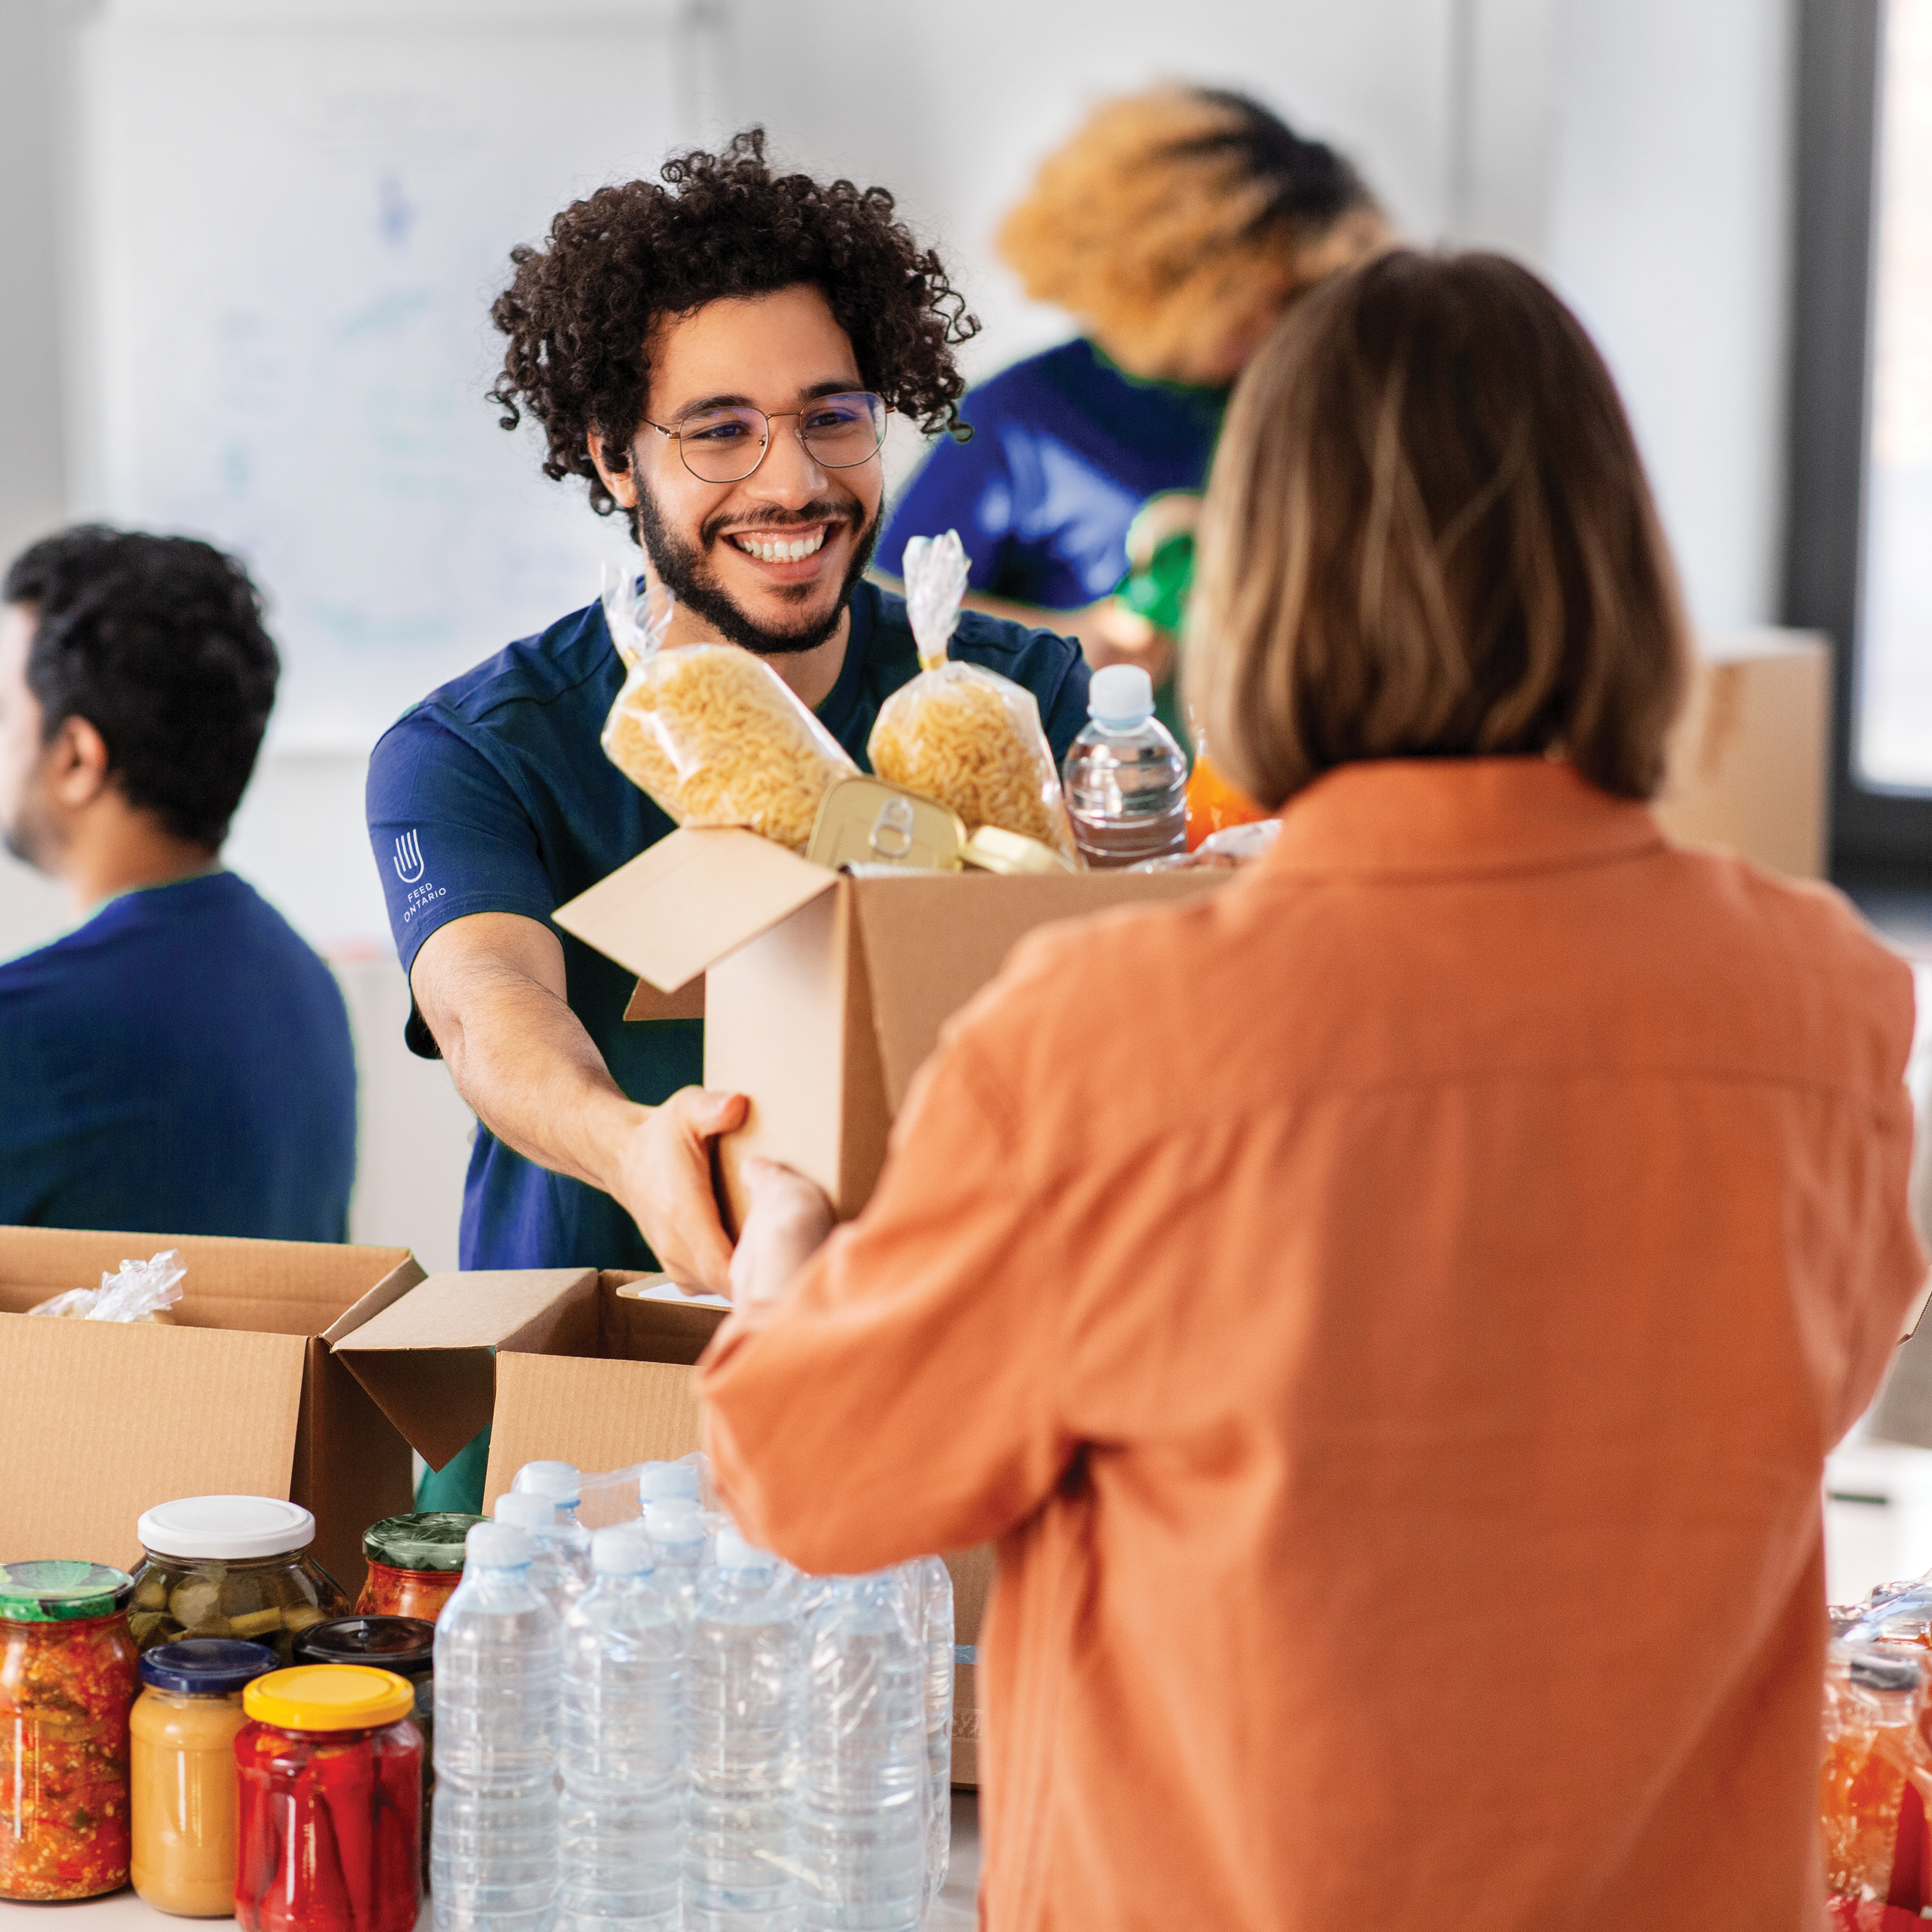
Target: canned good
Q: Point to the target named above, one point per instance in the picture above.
(992, 849)
(67, 1684)
(865, 821)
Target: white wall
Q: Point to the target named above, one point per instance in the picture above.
(1637, 153)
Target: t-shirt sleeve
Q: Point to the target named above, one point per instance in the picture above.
(450, 836)
(967, 486)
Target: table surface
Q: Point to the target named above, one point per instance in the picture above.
(955, 1910)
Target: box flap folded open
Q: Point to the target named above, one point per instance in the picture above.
(428, 1360)
(689, 901)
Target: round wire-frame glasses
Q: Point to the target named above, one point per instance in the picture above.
(725, 445)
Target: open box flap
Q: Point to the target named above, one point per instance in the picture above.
(932, 940)
(689, 901)
(428, 1360)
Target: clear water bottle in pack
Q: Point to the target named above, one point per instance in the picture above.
(667, 1482)
(553, 1572)
(742, 1680)
(933, 1583)
(492, 1844)
(619, 1751)
(679, 1542)
(1126, 779)
(862, 1760)
(564, 1485)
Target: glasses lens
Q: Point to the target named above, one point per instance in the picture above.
(720, 445)
(841, 431)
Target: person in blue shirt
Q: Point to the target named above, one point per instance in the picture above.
(181, 1063)
(714, 357)
(1175, 226)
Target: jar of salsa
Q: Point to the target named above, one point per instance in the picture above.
(231, 1567)
(182, 1757)
(66, 1682)
(330, 1770)
(415, 1563)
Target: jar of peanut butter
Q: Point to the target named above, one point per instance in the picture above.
(182, 1771)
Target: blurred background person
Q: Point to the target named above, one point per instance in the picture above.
(181, 1063)
(1392, 1312)
(1173, 226)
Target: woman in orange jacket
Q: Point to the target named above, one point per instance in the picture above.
(1391, 1311)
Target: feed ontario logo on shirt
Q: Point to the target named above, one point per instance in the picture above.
(409, 869)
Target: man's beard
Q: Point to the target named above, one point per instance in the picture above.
(682, 569)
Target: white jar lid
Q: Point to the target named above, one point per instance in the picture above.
(218, 1527)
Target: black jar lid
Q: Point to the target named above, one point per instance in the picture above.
(404, 1644)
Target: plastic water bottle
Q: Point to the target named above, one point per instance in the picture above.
(554, 1569)
(667, 1482)
(741, 1710)
(863, 1761)
(619, 1754)
(933, 1581)
(563, 1485)
(679, 1541)
(492, 1844)
(1126, 778)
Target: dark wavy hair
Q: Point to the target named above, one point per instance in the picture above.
(158, 643)
(580, 311)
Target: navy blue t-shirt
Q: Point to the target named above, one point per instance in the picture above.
(1066, 448)
(180, 1064)
(494, 795)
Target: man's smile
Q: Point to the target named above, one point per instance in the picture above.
(788, 548)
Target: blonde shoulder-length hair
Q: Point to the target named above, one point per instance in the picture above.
(1428, 533)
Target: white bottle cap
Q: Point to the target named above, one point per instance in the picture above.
(673, 1519)
(526, 1510)
(735, 1553)
(621, 1550)
(660, 1482)
(497, 1545)
(560, 1481)
(226, 1527)
(1120, 697)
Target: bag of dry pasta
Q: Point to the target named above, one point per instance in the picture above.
(710, 731)
(958, 732)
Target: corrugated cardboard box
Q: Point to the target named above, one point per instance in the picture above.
(243, 1396)
(1750, 757)
(823, 993)
(564, 1366)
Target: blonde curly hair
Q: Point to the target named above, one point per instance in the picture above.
(1176, 224)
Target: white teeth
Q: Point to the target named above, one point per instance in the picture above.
(781, 552)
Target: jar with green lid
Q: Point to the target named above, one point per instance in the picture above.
(232, 1567)
(415, 1563)
(67, 1684)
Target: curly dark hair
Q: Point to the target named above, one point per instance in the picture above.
(579, 311)
(158, 643)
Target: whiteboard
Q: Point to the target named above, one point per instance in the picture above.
(294, 216)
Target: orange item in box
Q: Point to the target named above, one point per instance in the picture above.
(1214, 804)
(1876, 1777)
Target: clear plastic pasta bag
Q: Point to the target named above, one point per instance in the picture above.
(958, 732)
(710, 731)
(142, 1291)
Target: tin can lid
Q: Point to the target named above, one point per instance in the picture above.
(404, 1644)
(329, 1697)
(432, 1540)
(207, 1666)
(215, 1527)
(57, 1592)
(867, 821)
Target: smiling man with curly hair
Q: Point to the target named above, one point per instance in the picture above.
(716, 355)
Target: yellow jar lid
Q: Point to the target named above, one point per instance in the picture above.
(329, 1697)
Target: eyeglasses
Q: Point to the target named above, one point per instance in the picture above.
(726, 445)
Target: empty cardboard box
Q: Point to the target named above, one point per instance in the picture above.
(242, 1395)
(823, 992)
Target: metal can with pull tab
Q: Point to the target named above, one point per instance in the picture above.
(865, 821)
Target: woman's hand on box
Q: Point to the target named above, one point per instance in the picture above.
(786, 1224)
(661, 1177)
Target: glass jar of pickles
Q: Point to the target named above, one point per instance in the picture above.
(66, 1681)
(182, 1768)
(231, 1567)
(415, 1563)
(330, 1771)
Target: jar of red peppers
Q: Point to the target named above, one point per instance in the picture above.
(415, 1563)
(330, 1774)
(67, 1684)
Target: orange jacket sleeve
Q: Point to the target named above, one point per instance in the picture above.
(926, 1335)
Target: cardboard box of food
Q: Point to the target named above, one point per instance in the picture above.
(1750, 760)
(243, 1394)
(823, 992)
(584, 1367)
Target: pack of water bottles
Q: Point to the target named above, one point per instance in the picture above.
(658, 1725)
